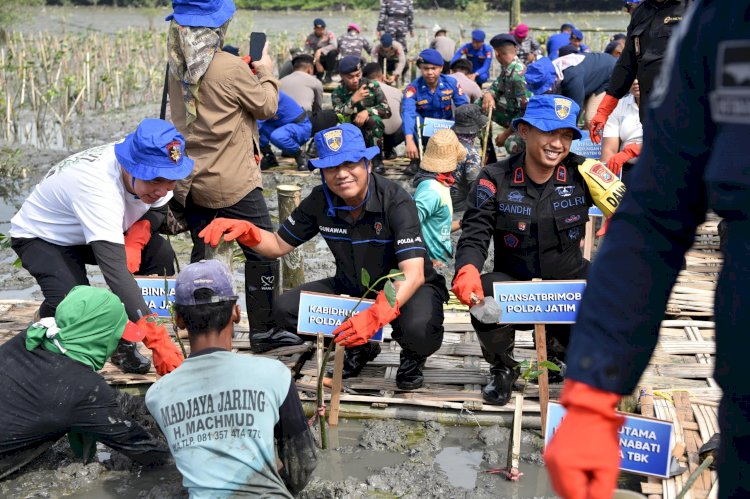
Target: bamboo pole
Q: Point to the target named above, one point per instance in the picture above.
(338, 371)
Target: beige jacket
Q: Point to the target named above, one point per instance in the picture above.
(223, 139)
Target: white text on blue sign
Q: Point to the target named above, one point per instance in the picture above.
(539, 302)
(323, 313)
(156, 294)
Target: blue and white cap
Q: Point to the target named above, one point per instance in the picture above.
(550, 112)
(341, 144)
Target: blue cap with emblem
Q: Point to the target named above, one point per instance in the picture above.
(550, 112)
(478, 35)
(341, 144)
(430, 56)
(349, 64)
(155, 150)
(540, 76)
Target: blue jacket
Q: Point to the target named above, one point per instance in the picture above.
(555, 42)
(288, 112)
(481, 59)
(589, 77)
(420, 100)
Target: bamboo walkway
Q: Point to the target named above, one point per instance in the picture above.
(678, 376)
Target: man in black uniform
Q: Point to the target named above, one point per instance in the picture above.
(683, 171)
(50, 385)
(369, 223)
(534, 206)
(648, 34)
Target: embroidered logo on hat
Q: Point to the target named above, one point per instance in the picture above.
(174, 151)
(562, 107)
(334, 139)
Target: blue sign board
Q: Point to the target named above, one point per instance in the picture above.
(539, 302)
(645, 443)
(432, 125)
(594, 211)
(586, 147)
(155, 293)
(323, 313)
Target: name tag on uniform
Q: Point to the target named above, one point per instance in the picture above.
(432, 125)
(539, 302)
(157, 293)
(323, 313)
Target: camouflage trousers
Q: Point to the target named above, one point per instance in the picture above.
(373, 131)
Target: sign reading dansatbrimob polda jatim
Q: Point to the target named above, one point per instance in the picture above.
(539, 302)
(157, 292)
(645, 443)
(323, 313)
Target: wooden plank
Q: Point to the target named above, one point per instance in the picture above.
(338, 369)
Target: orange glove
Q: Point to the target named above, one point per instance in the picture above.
(246, 233)
(596, 125)
(584, 455)
(605, 226)
(166, 355)
(358, 329)
(137, 236)
(467, 283)
(630, 151)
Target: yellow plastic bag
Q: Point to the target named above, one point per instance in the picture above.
(606, 189)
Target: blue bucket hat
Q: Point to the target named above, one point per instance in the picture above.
(430, 56)
(155, 150)
(201, 13)
(540, 76)
(550, 112)
(478, 35)
(341, 144)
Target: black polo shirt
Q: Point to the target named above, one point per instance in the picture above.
(536, 229)
(386, 233)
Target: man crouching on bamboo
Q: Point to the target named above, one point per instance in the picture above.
(369, 223)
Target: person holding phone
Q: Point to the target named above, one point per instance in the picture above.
(221, 134)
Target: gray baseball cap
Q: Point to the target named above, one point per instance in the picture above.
(205, 274)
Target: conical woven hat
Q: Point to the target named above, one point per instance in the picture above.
(443, 153)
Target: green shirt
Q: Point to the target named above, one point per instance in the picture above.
(375, 103)
(435, 214)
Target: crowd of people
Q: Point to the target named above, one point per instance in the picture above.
(105, 206)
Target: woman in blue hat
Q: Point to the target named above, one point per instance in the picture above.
(370, 224)
(104, 207)
(534, 207)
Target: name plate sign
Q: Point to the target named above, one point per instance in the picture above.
(432, 125)
(156, 294)
(539, 302)
(323, 313)
(586, 147)
(645, 443)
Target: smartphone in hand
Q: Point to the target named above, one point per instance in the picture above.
(257, 43)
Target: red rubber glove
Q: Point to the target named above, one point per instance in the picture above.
(584, 455)
(166, 355)
(137, 236)
(607, 105)
(358, 329)
(466, 284)
(605, 226)
(628, 152)
(246, 233)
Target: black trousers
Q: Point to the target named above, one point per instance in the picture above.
(329, 62)
(58, 269)
(418, 329)
(391, 141)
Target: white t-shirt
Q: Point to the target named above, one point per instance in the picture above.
(80, 200)
(624, 122)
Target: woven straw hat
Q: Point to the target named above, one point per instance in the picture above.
(443, 153)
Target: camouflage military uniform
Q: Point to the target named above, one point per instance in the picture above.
(526, 47)
(397, 18)
(376, 105)
(511, 95)
(353, 44)
(465, 174)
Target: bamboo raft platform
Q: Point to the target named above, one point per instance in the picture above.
(679, 374)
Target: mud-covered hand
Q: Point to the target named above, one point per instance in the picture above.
(166, 355)
(244, 232)
(467, 286)
(617, 161)
(607, 105)
(137, 236)
(583, 457)
(358, 329)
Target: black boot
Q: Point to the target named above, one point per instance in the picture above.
(301, 159)
(554, 376)
(269, 158)
(409, 375)
(273, 338)
(261, 284)
(377, 165)
(127, 357)
(498, 390)
(312, 150)
(413, 168)
(357, 357)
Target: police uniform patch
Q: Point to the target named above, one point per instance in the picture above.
(334, 139)
(378, 227)
(510, 240)
(174, 151)
(572, 218)
(602, 173)
(574, 233)
(485, 190)
(522, 226)
(516, 196)
(562, 107)
(565, 190)
(730, 102)
(410, 91)
(518, 177)
(562, 174)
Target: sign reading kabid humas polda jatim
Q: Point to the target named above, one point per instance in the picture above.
(539, 302)
(323, 313)
(645, 443)
(156, 295)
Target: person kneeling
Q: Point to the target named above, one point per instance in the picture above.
(369, 223)
(220, 411)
